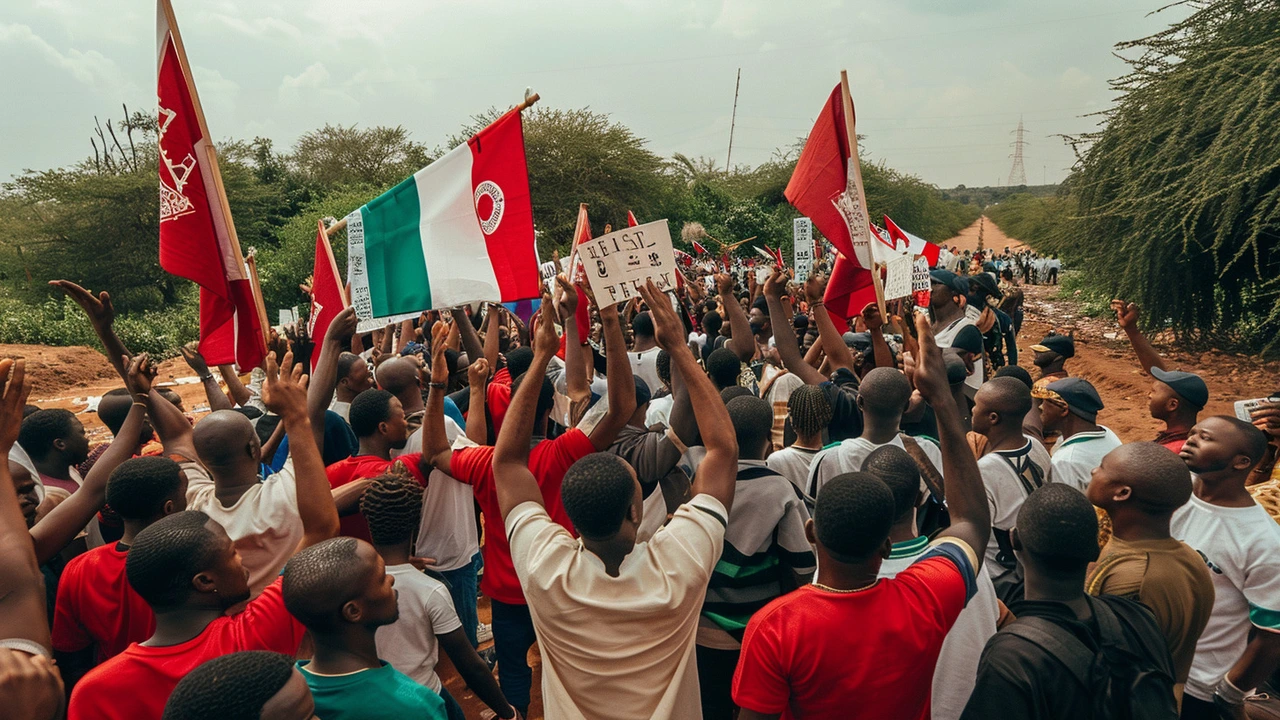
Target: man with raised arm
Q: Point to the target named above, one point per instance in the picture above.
(616, 620)
(835, 648)
(1176, 396)
(513, 630)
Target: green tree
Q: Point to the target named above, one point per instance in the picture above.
(377, 156)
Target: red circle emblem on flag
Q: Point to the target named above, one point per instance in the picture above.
(489, 205)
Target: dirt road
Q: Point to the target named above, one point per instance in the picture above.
(992, 237)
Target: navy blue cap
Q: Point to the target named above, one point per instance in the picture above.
(1189, 385)
(951, 280)
(1061, 344)
(858, 341)
(986, 282)
(643, 395)
(968, 339)
(1079, 396)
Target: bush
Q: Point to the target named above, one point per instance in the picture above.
(61, 322)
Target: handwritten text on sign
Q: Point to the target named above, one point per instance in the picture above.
(802, 240)
(617, 264)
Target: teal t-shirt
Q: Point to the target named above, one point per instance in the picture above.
(372, 694)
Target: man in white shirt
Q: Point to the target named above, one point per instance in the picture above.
(882, 397)
(1240, 647)
(644, 351)
(1072, 410)
(1014, 466)
(616, 621)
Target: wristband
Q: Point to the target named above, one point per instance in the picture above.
(437, 385)
(141, 397)
(1229, 693)
(206, 377)
(140, 404)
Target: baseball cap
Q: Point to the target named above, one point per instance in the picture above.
(968, 339)
(1061, 344)
(986, 282)
(950, 279)
(1187, 384)
(1079, 395)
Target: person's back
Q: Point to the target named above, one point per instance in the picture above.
(809, 413)
(1140, 485)
(1069, 655)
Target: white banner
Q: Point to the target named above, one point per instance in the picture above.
(618, 263)
(897, 279)
(802, 244)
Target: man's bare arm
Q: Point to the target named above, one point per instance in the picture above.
(622, 384)
(477, 379)
(436, 451)
(514, 482)
(325, 377)
(743, 343)
(1127, 316)
(22, 595)
(784, 335)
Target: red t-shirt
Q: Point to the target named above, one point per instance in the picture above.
(497, 398)
(136, 684)
(359, 467)
(97, 606)
(548, 461)
(811, 653)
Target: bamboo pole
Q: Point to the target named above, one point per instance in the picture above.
(256, 288)
(856, 168)
(523, 105)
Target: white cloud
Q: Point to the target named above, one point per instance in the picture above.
(88, 68)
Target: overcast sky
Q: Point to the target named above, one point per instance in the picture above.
(939, 85)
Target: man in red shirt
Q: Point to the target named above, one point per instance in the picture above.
(98, 614)
(188, 571)
(811, 653)
(377, 418)
(548, 460)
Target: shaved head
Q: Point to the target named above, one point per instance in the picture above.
(399, 377)
(1004, 401)
(224, 438)
(884, 392)
(1159, 480)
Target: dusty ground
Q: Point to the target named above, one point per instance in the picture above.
(68, 377)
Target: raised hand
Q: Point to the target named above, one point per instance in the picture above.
(194, 359)
(545, 340)
(439, 364)
(724, 283)
(478, 372)
(930, 371)
(284, 391)
(775, 286)
(140, 374)
(342, 327)
(667, 329)
(1127, 313)
(13, 397)
(99, 309)
(871, 316)
(566, 297)
(815, 288)
(30, 686)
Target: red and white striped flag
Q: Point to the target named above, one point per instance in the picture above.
(197, 237)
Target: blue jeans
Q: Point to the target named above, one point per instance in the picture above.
(462, 587)
(512, 637)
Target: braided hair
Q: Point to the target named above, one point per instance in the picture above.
(809, 410)
(392, 504)
(231, 687)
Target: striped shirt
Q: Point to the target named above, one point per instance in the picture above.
(764, 549)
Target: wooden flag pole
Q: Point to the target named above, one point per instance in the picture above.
(335, 228)
(577, 233)
(252, 262)
(333, 265)
(211, 155)
(856, 168)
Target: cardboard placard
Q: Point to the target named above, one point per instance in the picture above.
(619, 262)
(897, 279)
(288, 315)
(1244, 407)
(920, 282)
(802, 247)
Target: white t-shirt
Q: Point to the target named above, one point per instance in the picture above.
(946, 335)
(793, 463)
(1075, 458)
(342, 408)
(957, 670)
(263, 523)
(1005, 491)
(1242, 548)
(659, 411)
(645, 365)
(618, 647)
(448, 528)
(426, 610)
(849, 455)
(699, 338)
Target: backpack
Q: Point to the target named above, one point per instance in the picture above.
(1126, 681)
(1009, 585)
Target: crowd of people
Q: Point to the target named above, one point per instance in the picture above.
(719, 502)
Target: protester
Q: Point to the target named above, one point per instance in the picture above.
(1070, 409)
(1176, 397)
(809, 414)
(1240, 646)
(1140, 487)
(250, 684)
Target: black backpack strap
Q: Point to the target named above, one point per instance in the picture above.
(1141, 620)
(1059, 643)
(932, 478)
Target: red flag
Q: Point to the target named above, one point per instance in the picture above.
(581, 234)
(848, 291)
(197, 238)
(631, 219)
(912, 245)
(697, 248)
(826, 184)
(328, 297)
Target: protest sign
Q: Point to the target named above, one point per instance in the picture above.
(897, 279)
(288, 315)
(802, 242)
(1243, 408)
(920, 282)
(619, 262)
